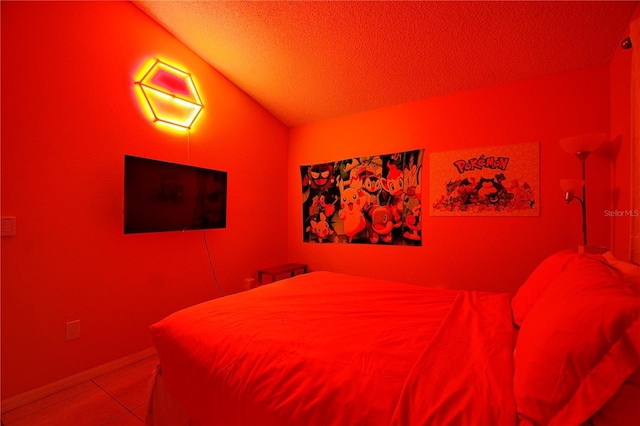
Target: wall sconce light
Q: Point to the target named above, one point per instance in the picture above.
(170, 95)
(582, 146)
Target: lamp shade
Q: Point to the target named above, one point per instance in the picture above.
(587, 142)
(572, 185)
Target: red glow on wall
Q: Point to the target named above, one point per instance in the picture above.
(170, 95)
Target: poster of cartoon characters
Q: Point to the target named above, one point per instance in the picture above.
(364, 200)
(489, 181)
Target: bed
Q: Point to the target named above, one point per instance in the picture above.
(332, 349)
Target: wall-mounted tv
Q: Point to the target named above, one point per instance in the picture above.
(161, 196)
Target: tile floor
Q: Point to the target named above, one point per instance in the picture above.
(118, 398)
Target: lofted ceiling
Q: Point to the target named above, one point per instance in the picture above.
(306, 61)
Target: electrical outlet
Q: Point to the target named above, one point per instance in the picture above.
(73, 330)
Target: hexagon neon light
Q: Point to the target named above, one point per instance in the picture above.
(170, 95)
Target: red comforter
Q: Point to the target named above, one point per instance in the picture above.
(333, 349)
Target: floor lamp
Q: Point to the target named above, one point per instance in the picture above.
(582, 146)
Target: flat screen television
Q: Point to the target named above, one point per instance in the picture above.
(161, 196)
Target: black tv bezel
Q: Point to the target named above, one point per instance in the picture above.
(184, 168)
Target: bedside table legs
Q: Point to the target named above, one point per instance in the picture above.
(275, 271)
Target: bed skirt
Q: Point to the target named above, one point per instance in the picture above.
(162, 410)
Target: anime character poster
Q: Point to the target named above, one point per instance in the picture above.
(489, 181)
(364, 200)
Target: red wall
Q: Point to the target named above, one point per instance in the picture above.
(488, 253)
(621, 145)
(69, 115)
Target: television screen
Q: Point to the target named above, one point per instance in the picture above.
(161, 196)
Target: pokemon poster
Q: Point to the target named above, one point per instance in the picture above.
(364, 200)
(489, 181)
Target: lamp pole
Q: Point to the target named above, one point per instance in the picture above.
(583, 159)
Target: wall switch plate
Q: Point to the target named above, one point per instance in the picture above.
(73, 330)
(8, 226)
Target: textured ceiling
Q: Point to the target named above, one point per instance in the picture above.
(309, 60)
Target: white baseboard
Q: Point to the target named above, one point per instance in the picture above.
(38, 393)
